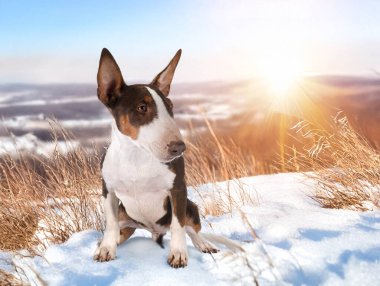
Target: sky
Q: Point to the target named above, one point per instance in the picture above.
(60, 41)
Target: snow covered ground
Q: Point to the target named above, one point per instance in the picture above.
(29, 143)
(306, 245)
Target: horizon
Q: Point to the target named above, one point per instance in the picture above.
(349, 77)
(60, 42)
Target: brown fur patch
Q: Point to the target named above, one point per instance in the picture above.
(126, 127)
(126, 232)
(192, 216)
(179, 190)
(167, 102)
(167, 218)
(160, 240)
(148, 99)
(125, 110)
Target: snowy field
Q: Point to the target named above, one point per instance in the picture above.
(300, 244)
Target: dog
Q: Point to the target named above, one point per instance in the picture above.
(143, 170)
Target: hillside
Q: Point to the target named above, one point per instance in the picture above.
(248, 105)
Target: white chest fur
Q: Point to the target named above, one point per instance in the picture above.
(138, 179)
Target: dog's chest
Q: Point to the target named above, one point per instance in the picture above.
(139, 180)
(129, 170)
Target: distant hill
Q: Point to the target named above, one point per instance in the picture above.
(243, 110)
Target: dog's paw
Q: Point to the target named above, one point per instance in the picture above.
(177, 258)
(105, 253)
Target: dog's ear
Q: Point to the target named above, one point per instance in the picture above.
(163, 80)
(110, 80)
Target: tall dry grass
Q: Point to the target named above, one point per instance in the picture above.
(345, 167)
(7, 279)
(209, 159)
(45, 199)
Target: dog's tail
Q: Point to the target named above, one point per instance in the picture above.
(218, 239)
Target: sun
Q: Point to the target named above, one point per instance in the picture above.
(281, 80)
(280, 73)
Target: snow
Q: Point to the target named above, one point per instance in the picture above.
(31, 144)
(300, 244)
(32, 122)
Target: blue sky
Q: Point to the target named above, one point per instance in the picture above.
(60, 41)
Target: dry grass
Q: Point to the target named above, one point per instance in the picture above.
(211, 159)
(23, 272)
(345, 167)
(7, 279)
(46, 199)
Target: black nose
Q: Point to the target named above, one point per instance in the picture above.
(176, 148)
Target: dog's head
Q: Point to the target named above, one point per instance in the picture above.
(144, 113)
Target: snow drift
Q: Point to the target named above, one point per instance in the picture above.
(300, 244)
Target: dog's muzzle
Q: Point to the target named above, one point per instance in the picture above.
(176, 148)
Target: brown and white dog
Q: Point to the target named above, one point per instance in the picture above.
(143, 169)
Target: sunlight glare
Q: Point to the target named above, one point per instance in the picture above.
(281, 56)
(280, 73)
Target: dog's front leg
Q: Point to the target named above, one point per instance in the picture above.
(107, 248)
(178, 248)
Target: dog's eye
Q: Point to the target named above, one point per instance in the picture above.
(142, 108)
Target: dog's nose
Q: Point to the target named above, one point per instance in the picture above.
(176, 148)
